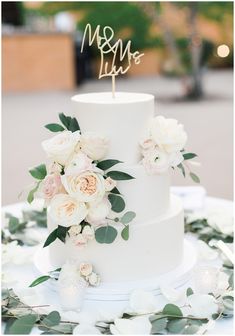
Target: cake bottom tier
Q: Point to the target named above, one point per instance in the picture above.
(154, 247)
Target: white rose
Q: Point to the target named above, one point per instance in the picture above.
(98, 212)
(78, 164)
(94, 145)
(86, 187)
(110, 184)
(85, 269)
(168, 134)
(75, 230)
(88, 232)
(61, 146)
(94, 279)
(156, 162)
(67, 211)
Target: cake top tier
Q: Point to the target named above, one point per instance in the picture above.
(106, 98)
(122, 119)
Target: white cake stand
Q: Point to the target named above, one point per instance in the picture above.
(120, 291)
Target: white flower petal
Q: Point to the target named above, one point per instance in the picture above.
(206, 252)
(142, 302)
(170, 293)
(137, 326)
(202, 305)
(86, 329)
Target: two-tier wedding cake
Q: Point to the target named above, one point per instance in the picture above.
(155, 243)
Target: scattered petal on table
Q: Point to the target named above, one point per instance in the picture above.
(137, 326)
(142, 302)
(86, 329)
(202, 305)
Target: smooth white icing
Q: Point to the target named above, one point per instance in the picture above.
(154, 247)
(122, 119)
(146, 195)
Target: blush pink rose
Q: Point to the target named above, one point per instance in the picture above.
(51, 186)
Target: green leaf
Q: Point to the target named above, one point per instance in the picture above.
(171, 309)
(230, 280)
(181, 167)
(30, 197)
(189, 291)
(125, 233)
(23, 325)
(52, 319)
(40, 280)
(115, 191)
(194, 177)
(14, 224)
(62, 232)
(128, 217)
(119, 176)
(176, 326)
(54, 127)
(106, 164)
(117, 202)
(73, 126)
(228, 303)
(51, 238)
(65, 120)
(39, 172)
(105, 234)
(158, 325)
(191, 329)
(189, 156)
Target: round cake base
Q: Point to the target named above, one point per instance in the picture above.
(120, 291)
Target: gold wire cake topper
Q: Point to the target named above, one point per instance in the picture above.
(119, 58)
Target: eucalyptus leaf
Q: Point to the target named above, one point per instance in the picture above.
(127, 217)
(189, 156)
(23, 325)
(189, 291)
(105, 234)
(30, 197)
(52, 319)
(107, 164)
(176, 326)
(51, 238)
(125, 233)
(171, 309)
(54, 127)
(119, 175)
(40, 280)
(158, 325)
(181, 167)
(39, 172)
(230, 281)
(13, 224)
(194, 177)
(117, 202)
(191, 329)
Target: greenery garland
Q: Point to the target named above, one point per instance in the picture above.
(21, 318)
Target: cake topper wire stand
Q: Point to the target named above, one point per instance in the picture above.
(120, 291)
(113, 49)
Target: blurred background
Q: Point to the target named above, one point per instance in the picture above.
(188, 67)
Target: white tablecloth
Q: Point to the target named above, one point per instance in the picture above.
(25, 274)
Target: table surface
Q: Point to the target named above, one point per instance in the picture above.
(27, 273)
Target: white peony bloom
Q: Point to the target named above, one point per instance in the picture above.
(110, 184)
(66, 210)
(78, 164)
(85, 269)
(88, 232)
(86, 329)
(142, 302)
(97, 212)
(147, 144)
(94, 145)
(167, 134)
(61, 146)
(137, 326)
(86, 187)
(221, 219)
(94, 279)
(202, 305)
(156, 162)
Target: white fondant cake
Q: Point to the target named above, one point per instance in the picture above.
(155, 245)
